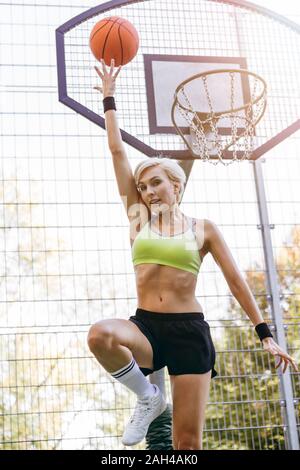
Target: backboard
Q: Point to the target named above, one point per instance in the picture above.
(177, 40)
(164, 73)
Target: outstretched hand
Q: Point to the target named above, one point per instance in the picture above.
(272, 347)
(108, 78)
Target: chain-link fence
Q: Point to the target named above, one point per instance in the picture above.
(65, 263)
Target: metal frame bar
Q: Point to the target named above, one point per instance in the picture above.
(265, 11)
(286, 388)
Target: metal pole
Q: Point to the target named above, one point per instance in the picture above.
(286, 388)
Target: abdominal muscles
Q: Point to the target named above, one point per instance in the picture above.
(166, 289)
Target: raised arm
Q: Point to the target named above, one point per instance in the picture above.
(122, 168)
(216, 245)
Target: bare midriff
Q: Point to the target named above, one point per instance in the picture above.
(164, 289)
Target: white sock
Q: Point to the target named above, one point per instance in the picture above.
(132, 377)
(158, 378)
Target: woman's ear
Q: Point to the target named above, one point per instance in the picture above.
(176, 188)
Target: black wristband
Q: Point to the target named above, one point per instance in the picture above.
(109, 103)
(263, 331)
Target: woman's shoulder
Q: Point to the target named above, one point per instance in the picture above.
(203, 230)
(196, 224)
(203, 224)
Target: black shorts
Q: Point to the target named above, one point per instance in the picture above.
(180, 341)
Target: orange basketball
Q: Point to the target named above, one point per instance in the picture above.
(114, 38)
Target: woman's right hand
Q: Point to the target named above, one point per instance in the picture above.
(108, 79)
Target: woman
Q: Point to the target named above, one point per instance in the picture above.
(169, 327)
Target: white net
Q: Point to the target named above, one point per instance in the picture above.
(213, 132)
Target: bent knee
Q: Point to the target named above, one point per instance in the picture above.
(101, 336)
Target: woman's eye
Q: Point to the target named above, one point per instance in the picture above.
(143, 188)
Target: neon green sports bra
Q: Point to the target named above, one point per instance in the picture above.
(178, 251)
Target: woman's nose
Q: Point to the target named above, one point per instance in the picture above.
(150, 190)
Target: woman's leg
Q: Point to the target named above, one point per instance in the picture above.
(117, 344)
(114, 342)
(190, 394)
(120, 347)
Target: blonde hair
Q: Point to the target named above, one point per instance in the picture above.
(170, 166)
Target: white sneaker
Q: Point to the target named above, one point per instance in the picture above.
(146, 410)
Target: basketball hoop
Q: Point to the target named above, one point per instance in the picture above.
(206, 138)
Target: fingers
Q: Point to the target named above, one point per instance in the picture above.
(287, 360)
(103, 67)
(112, 65)
(290, 360)
(111, 71)
(99, 72)
(283, 357)
(279, 363)
(281, 360)
(295, 367)
(117, 72)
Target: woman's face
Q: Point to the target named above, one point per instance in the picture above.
(156, 188)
